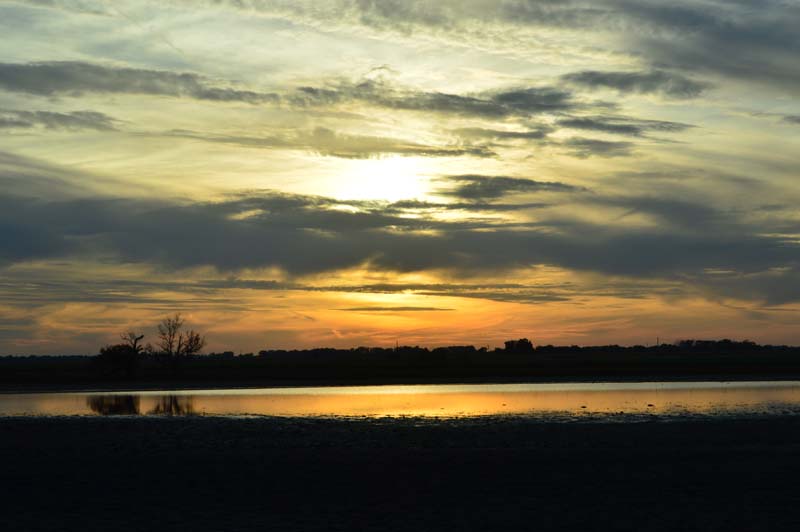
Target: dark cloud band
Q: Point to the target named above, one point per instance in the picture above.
(73, 78)
(481, 187)
(654, 82)
(76, 120)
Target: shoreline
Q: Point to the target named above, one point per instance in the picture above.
(179, 385)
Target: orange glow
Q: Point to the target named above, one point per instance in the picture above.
(428, 400)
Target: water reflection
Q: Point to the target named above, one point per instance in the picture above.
(426, 400)
(129, 405)
(114, 405)
(173, 405)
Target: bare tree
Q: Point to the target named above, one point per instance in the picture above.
(131, 339)
(192, 343)
(168, 334)
(175, 342)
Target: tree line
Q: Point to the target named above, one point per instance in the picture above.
(174, 342)
(176, 356)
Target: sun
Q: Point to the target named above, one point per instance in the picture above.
(390, 179)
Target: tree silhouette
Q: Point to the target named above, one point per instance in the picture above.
(175, 342)
(131, 339)
(120, 360)
(523, 345)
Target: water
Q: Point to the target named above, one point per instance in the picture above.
(424, 400)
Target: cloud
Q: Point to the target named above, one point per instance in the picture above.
(328, 142)
(73, 78)
(772, 287)
(667, 212)
(620, 125)
(583, 147)
(792, 119)
(748, 40)
(668, 84)
(76, 120)
(503, 134)
(535, 100)
(11, 122)
(416, 16)
(469, 206)
(25, 289)
(302, 234)
(394, 309)
(751, 41)
(76, 6)
(612, 124)
(307, 235)
(32, 178)
(497, 104)
(482, 187)
(511, 296)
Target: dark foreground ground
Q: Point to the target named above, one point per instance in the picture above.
(196, 474)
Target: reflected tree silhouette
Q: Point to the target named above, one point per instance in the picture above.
(173, 405)
(114, 405)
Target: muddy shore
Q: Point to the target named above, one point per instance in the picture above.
(206, 473)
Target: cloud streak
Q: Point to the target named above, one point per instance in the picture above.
(619, 125)
(525, 101)
(331, 143)
(73, 121)
(586, 147)
(395, 309)
(481, 187)
(74, 78)
(660, 82)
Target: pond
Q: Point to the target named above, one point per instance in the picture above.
(663, 398)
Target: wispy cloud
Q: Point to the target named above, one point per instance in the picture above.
(75, 120)
(73, 78)
(585, 147)
(482, 187)
(330, 143)
(669, 84)
(523, 101)
(395, 309)
(620, 125)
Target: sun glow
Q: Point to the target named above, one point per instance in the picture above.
(390, 179)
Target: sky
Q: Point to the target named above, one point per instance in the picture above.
(294, 173)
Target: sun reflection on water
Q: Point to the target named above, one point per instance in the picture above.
(423, 400)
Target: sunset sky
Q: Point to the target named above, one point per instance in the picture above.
(295, 173)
